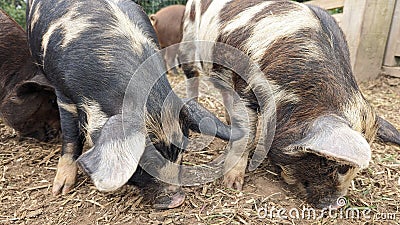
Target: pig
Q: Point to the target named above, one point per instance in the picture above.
(167, 23)
(89, 51)
(27, 100)
(323, 124)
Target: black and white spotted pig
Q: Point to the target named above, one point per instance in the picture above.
(27, 100)
(323, 123)
(89, 51)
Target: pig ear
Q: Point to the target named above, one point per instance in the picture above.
(153, 19)
(331, 137)
(387, 132)
(203, 121)
(36, 83)
(114, 157)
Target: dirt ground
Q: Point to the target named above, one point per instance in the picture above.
(27, 169)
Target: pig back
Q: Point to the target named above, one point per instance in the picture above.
(301, 51)
(168, 24)
(90, 47)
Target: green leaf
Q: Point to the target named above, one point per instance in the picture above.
(16, 9)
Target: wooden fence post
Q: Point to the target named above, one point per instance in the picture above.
(366, 24)
(391, 63)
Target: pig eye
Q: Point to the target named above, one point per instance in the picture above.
(15, 99)
(343, 169)
(53, 103)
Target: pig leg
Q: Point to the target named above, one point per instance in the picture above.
(170, 59)
(222, 80)
(236, 159)
(227, 98)
(71, 147)
(193, 81)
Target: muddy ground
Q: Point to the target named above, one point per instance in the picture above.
(27, 169)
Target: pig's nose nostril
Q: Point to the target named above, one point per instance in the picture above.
(169, 201)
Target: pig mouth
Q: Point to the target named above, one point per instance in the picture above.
(328, 202)
(169, 200)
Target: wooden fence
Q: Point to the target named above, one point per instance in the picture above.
(372, 29)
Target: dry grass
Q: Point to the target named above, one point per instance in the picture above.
(27, 169)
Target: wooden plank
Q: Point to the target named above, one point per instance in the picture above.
(393, 44)
(392, 71)
(366, 24)
(327, 4)
(397, 52)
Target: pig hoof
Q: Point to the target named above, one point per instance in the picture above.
(66, 175)
(234, 180)
(169, 201)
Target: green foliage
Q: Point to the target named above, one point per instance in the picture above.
(152, 6)
(16, 9)
(337, 10)
(331, 11)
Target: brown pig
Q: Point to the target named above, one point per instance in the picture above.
(27, 101)
(167, 24)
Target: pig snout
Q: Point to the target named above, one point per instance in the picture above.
(332, 203)
(339, 203)
(169, 198)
